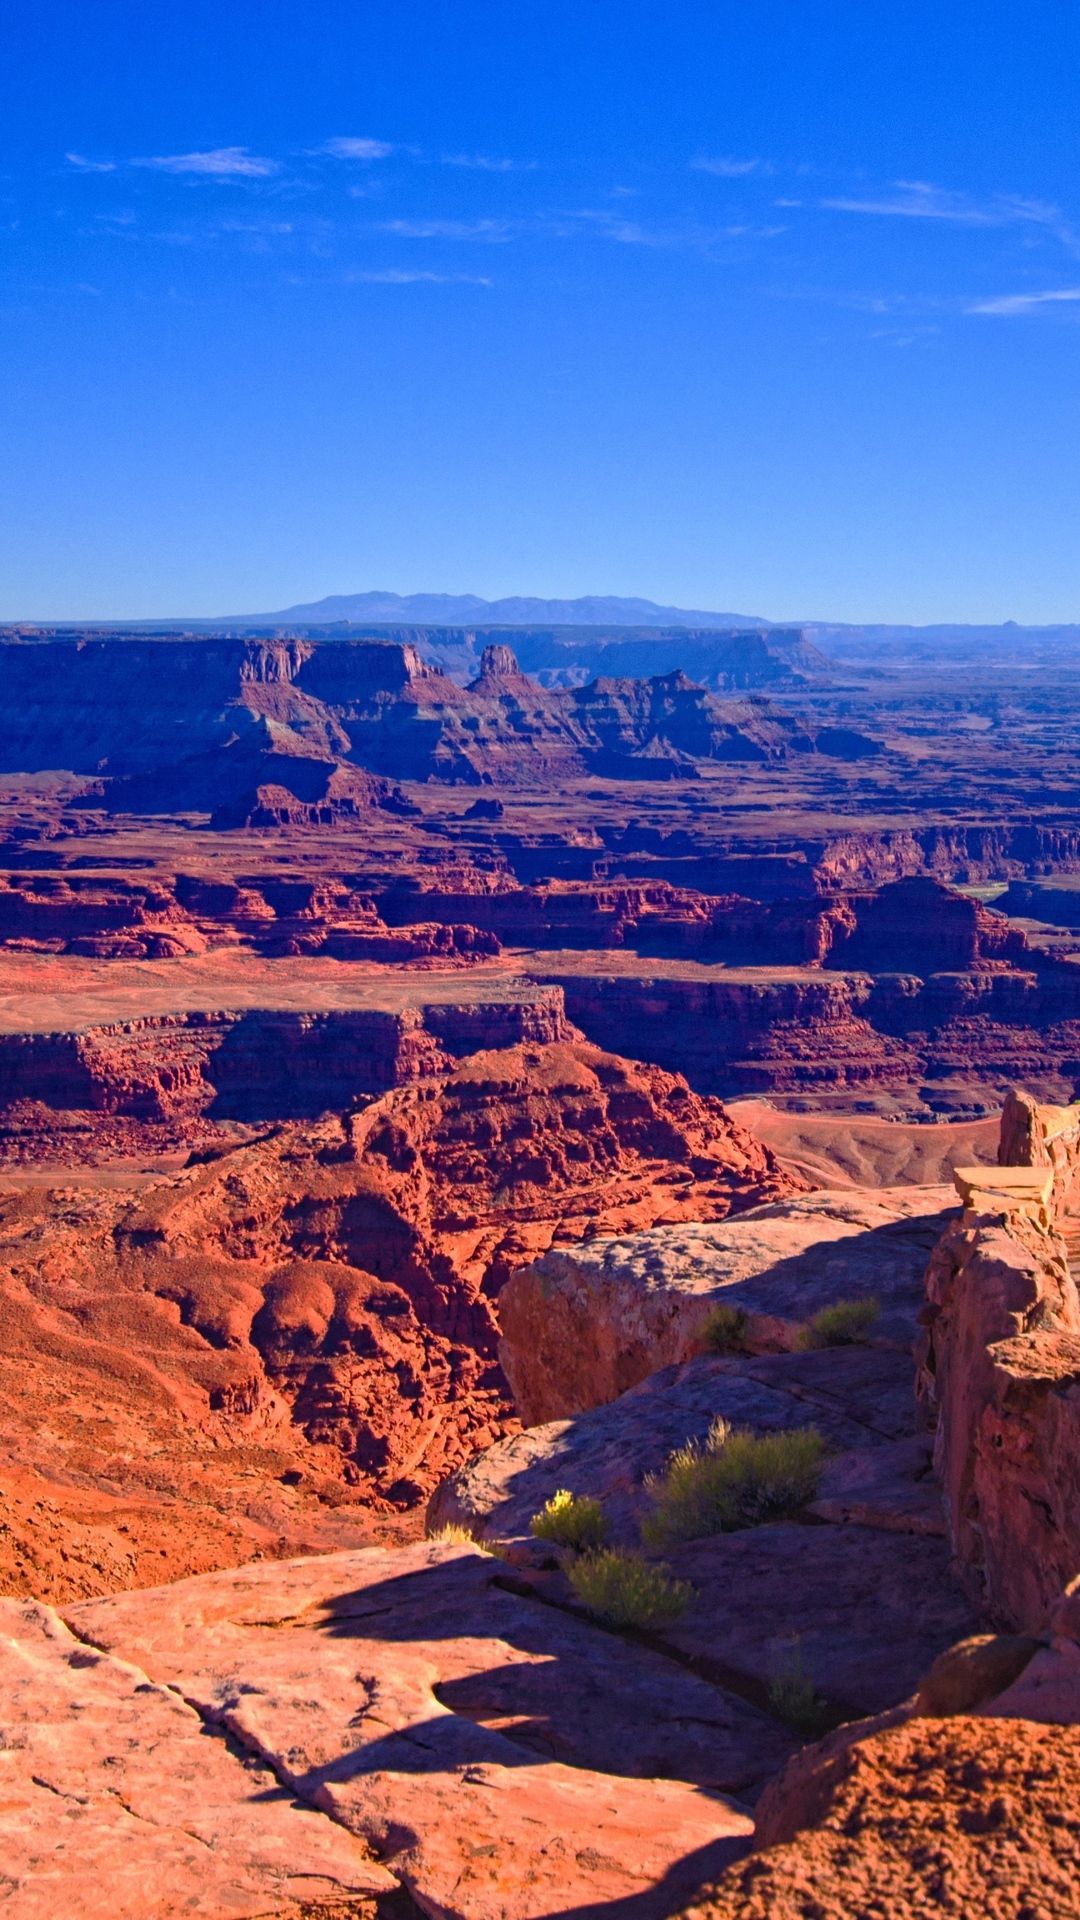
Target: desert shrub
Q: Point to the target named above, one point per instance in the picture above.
(570, 1520)
(734, 1479)
(794, 1699)
(626, 1590)
(841, 1325)
(453, 1535)
(723, 1329)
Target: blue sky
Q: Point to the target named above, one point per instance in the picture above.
(764, 307)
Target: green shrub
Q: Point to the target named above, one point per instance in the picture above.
(723, 1329)
(570, 1520)
(841, 1325)
(794, 1699)
(626, 1590)
(735, 1479)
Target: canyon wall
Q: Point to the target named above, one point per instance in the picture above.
(130, 708)
(263, 1063)
(999, 1369)
(807, 1033)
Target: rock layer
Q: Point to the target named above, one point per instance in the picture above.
(1000, 1378)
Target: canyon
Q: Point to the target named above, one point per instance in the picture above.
(429, 1089)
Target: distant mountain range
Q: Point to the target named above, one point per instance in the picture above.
(468, 609)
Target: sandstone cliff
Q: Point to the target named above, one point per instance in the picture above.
(179, 721)
(1000, 1372)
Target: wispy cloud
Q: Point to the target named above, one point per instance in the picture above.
(265, 227)
(409, 277)
(726, 167)
(690, 237)
(922, 200)
(80, 164)
(487, 163)
(220, 163)
(1010, 304)
(916, 200)
(356, 147)
(489, 230)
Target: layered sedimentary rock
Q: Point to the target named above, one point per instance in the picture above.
(822, 1002)
(307, 1321)
(261, 1064)
(1000, 1371)
(182, 723)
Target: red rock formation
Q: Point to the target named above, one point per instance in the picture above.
(1000, 1376)
(319, 1301)
(190, 724)
(177, 1069)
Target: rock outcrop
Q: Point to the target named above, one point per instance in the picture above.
(116, 1804)
(501, 1760)
(859, 1398)
(1000, 1372)
(582, 1324)
(301, 1330)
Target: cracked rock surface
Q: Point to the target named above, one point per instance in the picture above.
(499, 1756)
(115, 1800)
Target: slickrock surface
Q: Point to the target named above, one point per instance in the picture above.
(581, 1325)
(116, 1802)
(860, 1611)
(863, 1601)
(859, 1398)
(494, 1752)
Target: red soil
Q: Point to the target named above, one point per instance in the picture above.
(953, 1817)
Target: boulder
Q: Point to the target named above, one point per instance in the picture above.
(581, 1325)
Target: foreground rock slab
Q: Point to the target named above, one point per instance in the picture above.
(583, 1324)
(115, 1801)
(489, 1748)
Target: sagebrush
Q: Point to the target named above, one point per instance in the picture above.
(723, 1329)
(733, 1479)
(794, 1699)
(570, 1520)
(626, 1590)
(842, 1325)
(454, 1535)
